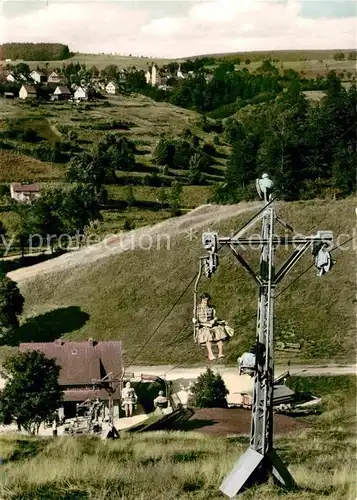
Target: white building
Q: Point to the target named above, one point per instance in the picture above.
(24, 193)
(111, 88)
(37, 76)
(154, 76)
(81, 94)
(54, 78)
(27, 92)
(61, 93)
(179, 73)
(10, 78)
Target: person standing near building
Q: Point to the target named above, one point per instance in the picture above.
(129, 399)
(161, 401)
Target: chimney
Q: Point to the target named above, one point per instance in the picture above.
(59, 341)
(91, 341)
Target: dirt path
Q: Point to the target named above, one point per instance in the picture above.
(116, 244)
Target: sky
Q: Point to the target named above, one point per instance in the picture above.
(165, 28)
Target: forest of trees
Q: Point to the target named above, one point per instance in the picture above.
(308, 148)
(35, 51)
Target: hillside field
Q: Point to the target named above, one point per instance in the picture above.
(143, 120)
(146, 120)
(119, 292)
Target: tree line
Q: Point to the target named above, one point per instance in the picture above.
(308, 148)
(35, 51)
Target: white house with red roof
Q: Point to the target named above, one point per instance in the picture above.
(24, 193)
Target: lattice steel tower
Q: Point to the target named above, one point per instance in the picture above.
(260, 458)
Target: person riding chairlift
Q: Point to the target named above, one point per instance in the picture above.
(323, 261)
(210, 330)
(246, 362)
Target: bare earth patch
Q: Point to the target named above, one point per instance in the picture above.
(230, 421)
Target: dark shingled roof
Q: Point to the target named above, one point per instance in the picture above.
(81, 362)
(30, 89)
(63, 89)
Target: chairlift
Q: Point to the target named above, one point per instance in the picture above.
(246, 364)
(322, 257)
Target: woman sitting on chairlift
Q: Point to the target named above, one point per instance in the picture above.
(209, 329)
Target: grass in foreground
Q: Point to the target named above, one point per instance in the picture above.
(178, 465)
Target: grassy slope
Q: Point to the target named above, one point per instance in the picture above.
(285, 55)
(127, 295)
(101, 61)
(177, 465)
(15, 167)
(148, 120)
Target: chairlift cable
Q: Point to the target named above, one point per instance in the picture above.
(182, 294)
(163, 320)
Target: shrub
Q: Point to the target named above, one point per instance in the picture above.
(164, 152)
(226, 110)
(209, 149)
(128, 225)
(182, 154)
(209, 391)
(339, 56)
(5, 145)
(186, 134)
(210, 125)
(152, 180)
(4, 190)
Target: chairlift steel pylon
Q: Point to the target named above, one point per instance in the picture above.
(110, 383)
(260, 459)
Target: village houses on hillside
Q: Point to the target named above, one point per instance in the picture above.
(82, 84)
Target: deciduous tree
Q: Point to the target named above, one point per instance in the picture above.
(209, 391)
(32, 392)
(11, 304)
